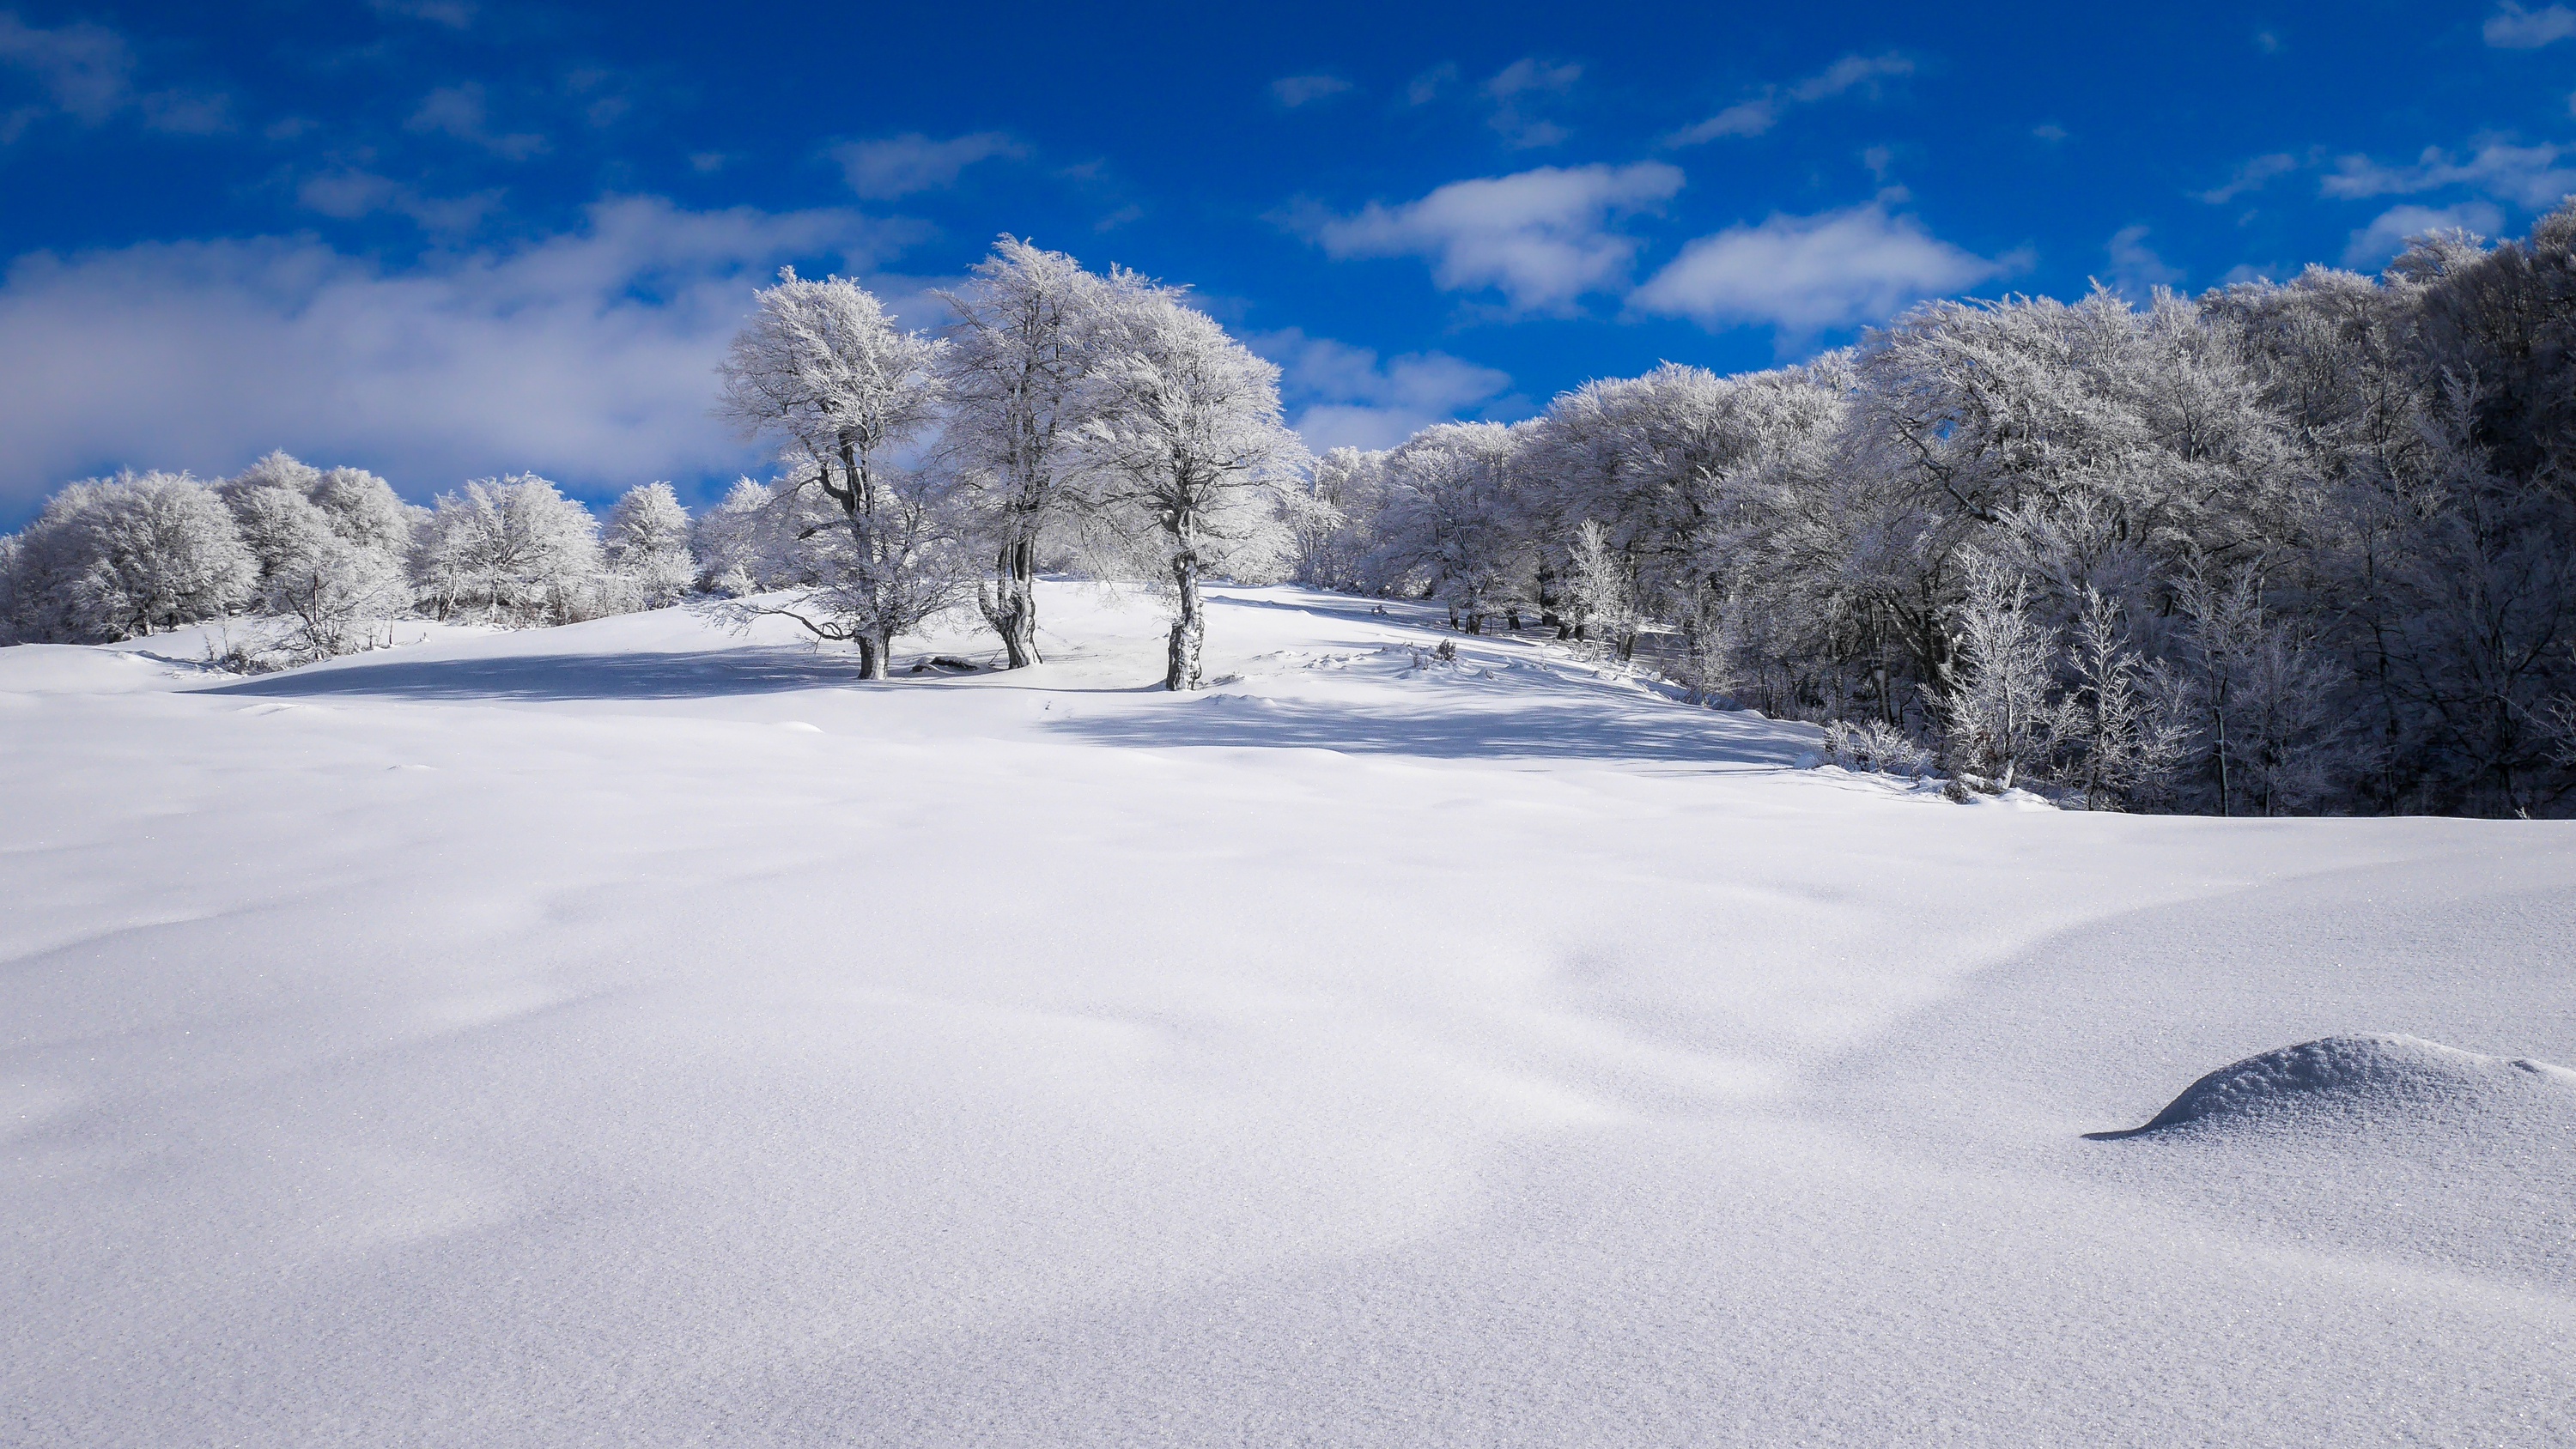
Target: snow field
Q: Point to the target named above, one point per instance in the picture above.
(639, 1032)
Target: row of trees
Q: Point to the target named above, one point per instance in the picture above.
(1064, 412)
(2278, 548)
(1066, 416)
(332, 553)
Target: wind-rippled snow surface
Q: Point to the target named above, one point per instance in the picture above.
(641, 1033)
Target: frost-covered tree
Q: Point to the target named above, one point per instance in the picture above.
(747, 543)
(364, 510)
(2269, 736)
(2000, 713)
(331, 591)
(1604, 586)
(112, 558)
(285, 509)
(645, 543)
(2124, 722)
(1452, 525)
(822, 370)
(512, 548)
(1188, 455)
(1029, 330)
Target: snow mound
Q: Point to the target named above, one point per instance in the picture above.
(85, 669)
(2366, 1080)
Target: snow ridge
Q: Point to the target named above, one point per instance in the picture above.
(2362, 1080)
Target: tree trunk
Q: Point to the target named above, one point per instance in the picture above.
(1189, 628)
(1011, 605)
(871, 660)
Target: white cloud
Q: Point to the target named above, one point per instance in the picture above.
(2514, 28)
(1342, 395)
(1759, 113)
(587, 356)
(1809, 274)
(86, 72)
(1514, 88)
(1293, 91)
(2387, 236)
(902, 165)
(2251, 176)
(2135, 267)
(2525, 175)
(1542, 237)
(463, 112)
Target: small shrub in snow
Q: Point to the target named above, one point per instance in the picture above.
(1877, 746)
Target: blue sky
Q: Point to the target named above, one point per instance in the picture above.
(442, 238)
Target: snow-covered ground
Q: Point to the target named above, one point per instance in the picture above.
(636, 1033)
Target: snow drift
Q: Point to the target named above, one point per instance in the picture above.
(2345, 1082)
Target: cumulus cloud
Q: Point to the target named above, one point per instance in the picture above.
(2514, 28)
(902, 165)
(86, 72)
(2254, 175)
(2386, 236)
(587, 356)
(1345, 396)
(1293, 91)
(1543, 238)
(2525, 175)
(1809, 274)
(1760, 112)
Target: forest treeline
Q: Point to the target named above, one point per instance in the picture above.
(2279, 548)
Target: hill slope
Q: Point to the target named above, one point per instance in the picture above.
(641, 1032)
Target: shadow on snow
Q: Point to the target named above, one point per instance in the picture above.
(695, 674)
(1563, 728)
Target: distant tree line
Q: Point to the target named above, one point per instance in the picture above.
(2280, 548)
(1067, 418)
(333, 553)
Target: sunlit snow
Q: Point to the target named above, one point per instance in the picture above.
(639, 1032)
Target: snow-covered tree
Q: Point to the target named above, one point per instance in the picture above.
(822, 370)
(645, 543)
(1999, 712)
(2125, 723)
(2269, 735)
(1030, 328)
(333, 592)
(1452, 526)
(1189, 455)
(112, 558)
(1604, 585)
(286, 509)
(514, 548)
